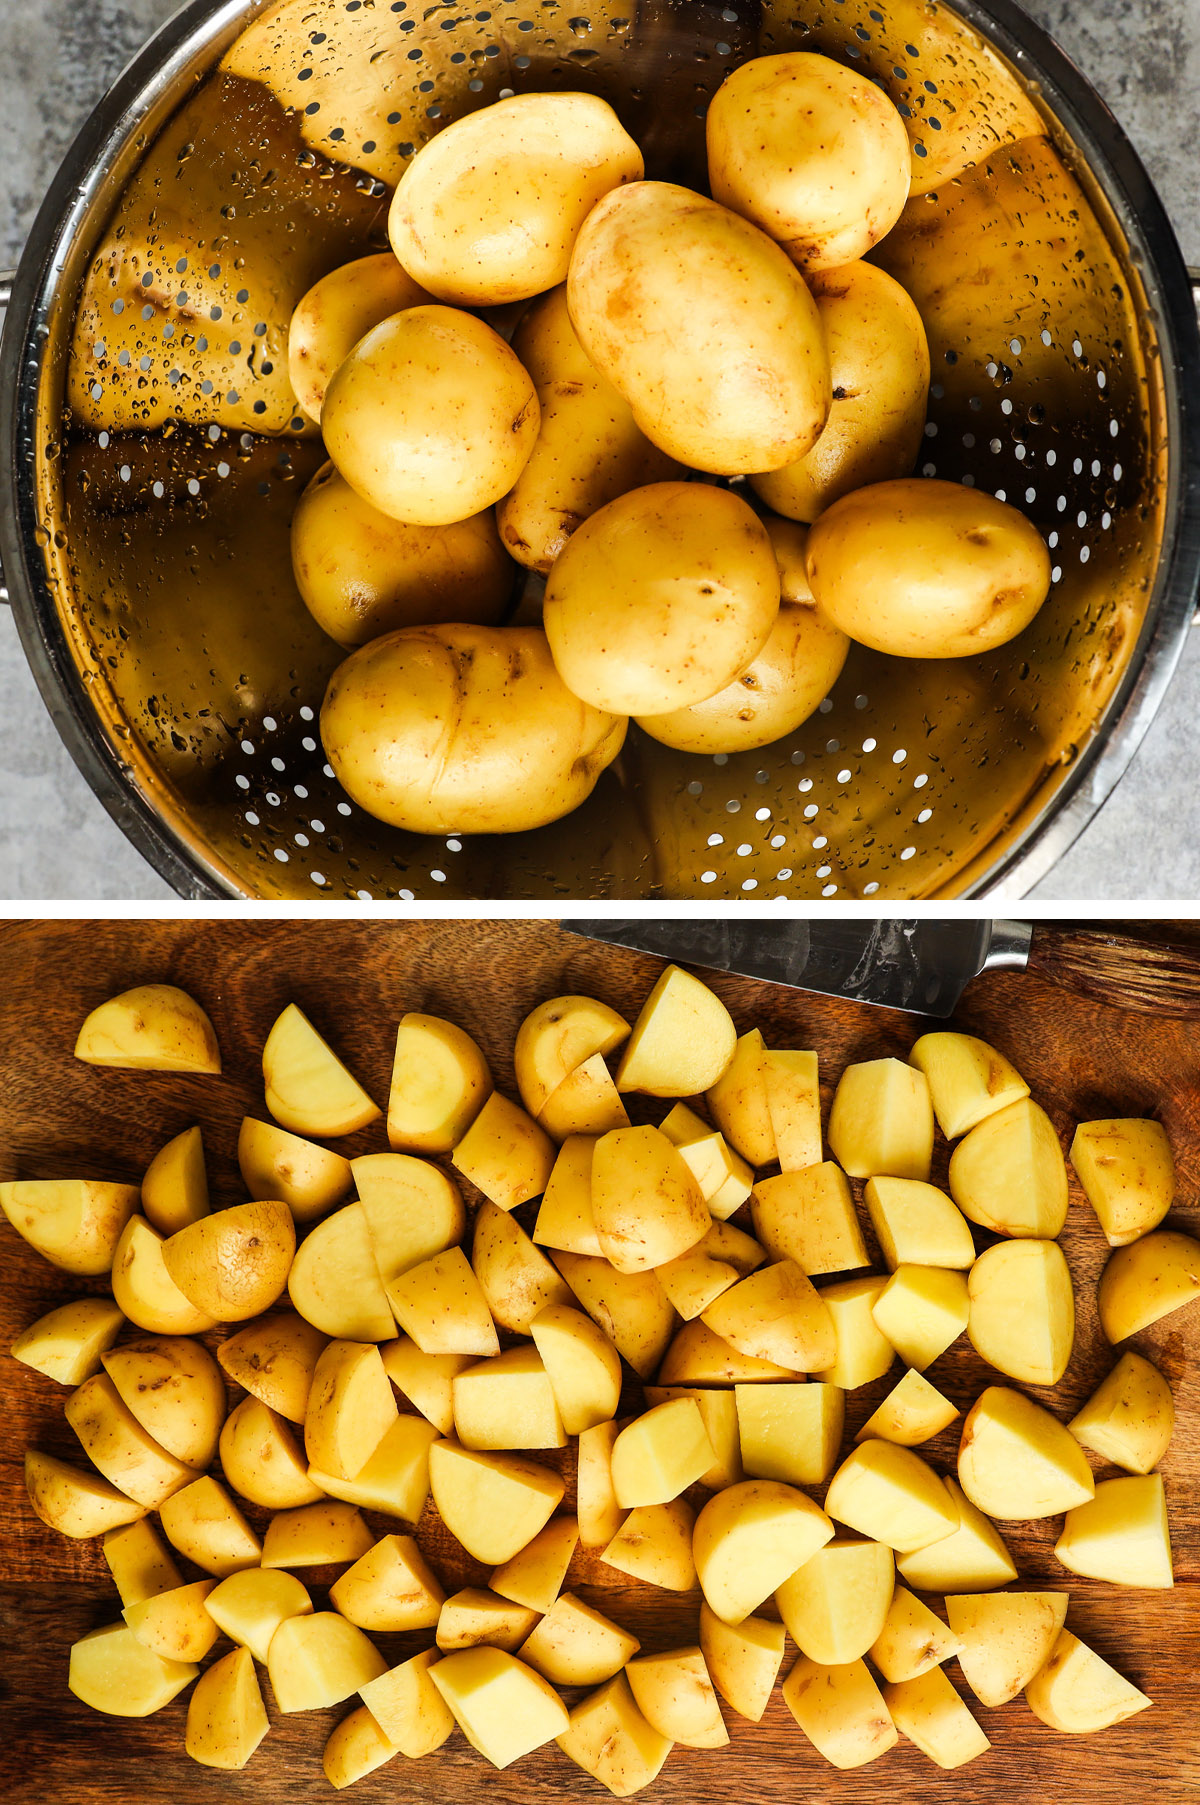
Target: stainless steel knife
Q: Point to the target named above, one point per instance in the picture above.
(924, 966)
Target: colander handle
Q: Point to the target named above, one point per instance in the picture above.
(7, 278)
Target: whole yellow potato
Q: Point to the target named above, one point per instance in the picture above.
(812, 152)
(335, 313)
(589, 449)
(879, 363)
(927, 569)
(463, 729)
(431, 417)
(661, 598)
(705, 327)
(361, 573)
(781, 686)
(488, 210)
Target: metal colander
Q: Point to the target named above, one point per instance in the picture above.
(154, 461)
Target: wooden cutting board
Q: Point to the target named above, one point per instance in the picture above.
(355, 979)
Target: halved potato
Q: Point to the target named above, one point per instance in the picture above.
(174, 1388)
(1130, 1417)
(968, 1079)
(74, 1223)
(682, 1041)
(505, 1153)
(556, 1038)
(881, 1122)
(309, 1090)
(145, 1291)
(274, 1359)
(390, 1587)
(892, 1495)
(74, 1501)
(1022, 1310)
(334, 1282)
(276, 1164)
(1078, 1692)
(440, 1082)
(1146, 1281)
(235, 1264)
(261, 1459)
(1016, 1460)
(112, 1671)
(153, 1028)
(516, 1279)
(318, 1660)
(413, 1210)
(175, 1187)
(67, 1344)
(749, 1539)
(1005, 1638)
(1008, 1174)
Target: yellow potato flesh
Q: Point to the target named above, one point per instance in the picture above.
(913, 1412)
(1146, 1281)
(696, 1278)
(698, 1357)
(1004, 1639)
(118, 1445)
(315, 1535)
(660, 1454)
(534, 1575)
(930, 1713)
(790, 1432)
(583, 1366)
(968, 1079)
(67, 1344)
(1009, 1175)
(574, 1645)
(863, 1352)
(917, 1225)
(647, 1207)
(1121, 1534)
(743, 1659)
(174, 1388)
(718, 1412)
(113, 1672)
(704, 326)
(724, 1177)
(749, 1539)
(414, 391)
(610, 1739)
(661, 598)
(507, 1402)
(335, 313)
(970, 1560)
(389, 1588)
(1130, 1417)
(261, 1459)
(206, 1526)
(318, 1660)
(145, 1291)
(493, 1503)
(249, 1606)
(74, 1501)
(504, 1709)
(1078, 1692)
(235, 1264)
(226, 1719)
(879, 364)
(922, 1310)
(1127, 1171)
(1022, 1308)
(841, 1711)
(516, 1279)
(912, 1639)
(585, 1103)
(274, 1163)
(155, 1028)
(356, 1747)
(682, 1041)
(1016, 1460)
(738, 1101)
(274, 1359)
(631, 1307)
(599, 1515)
(556, 1038)
(334, 1282)
(175, 1187)
(75, 1224)
(921, 568)
(139, 1563)
(309, 1090)
(408, 1707)
(836, 1604)
(413, 1210)
(441, 1306)
(350, 1408)
(589, 449)
(175, 1624)
(776, 1315)
(655, 1544)
(440, 1082)
(475, 1618)
(426, 1380)
(675, 1695)
(881, 1121)
(889, 1494)
(489, 209)
(361, 573)
(565, 1218)
(813, 152)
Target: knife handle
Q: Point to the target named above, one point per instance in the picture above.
(1147, 967)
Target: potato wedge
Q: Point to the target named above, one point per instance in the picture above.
(556, 1038)
(930, 1713)
(503, 1708)
(1016, 1460)
(395, 1481)
(841, 1711)
(574, 1645)
(309, 1090)
(67, 1344)
(697, 1277)
(74, 1223)
(74, 1501)
(274, 1358)
(912, 1639)
(631, 1307)
(441, 1306)
(413, 1210)
(235, 1264)
(565, 1219)
(175, 1624)
(517, 1280)
(586, 1102)
(790, 1432)
(968, 1079)
(581, 1363)
(836, 1604)
(599, 1515)
(505, 1153)
(408, 1707)
(724, 1177)
(1078, 1692)
(311, 1180)
(660, 1454)
(682, 1041)
(175, 1186)
(881, 1122)
(738, 1102)
(1005, 1638)
(1008, 1174)
(113, 1672)
(698, 1357)
(1146, 1281)
(507, 1402)
(1022, 1310)
(892, 1495)
(674, 1693)
(493, 1503)
(913, 1412)
(356, 1747)
(316, 1535)
(863, 1351)
(922, 1310)
(654, 1543)
(205, 1525)
(250, 1606)
(718, 1412)
(777, 1315)
(749, 1539)
(1121, 1534)
(917, 1225)
(808, 1216)
(440, 1082)
(334, 1282)
(350, 1408)
(426, 1380)
(153, 1028)
(1130, 1417)
(139, 1563)
(793, 1095)
(1127, 1173)
(262, 1460)
(743, 1659)
(117, 1444)
(476, 1618)
(972, 1559)
(608, 1737)
(145, 1291)
(174, 1388)
(319, 1660)
(647, 1207)
(390, 1587)
(535, 1574)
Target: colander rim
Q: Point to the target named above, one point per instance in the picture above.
(200, 29)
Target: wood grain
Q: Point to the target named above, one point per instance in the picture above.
(59, 1118)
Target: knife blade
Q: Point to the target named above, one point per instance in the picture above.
(921, 966)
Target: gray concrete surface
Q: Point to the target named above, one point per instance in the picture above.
(56, 842)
